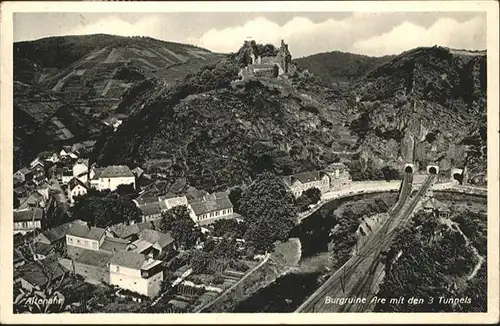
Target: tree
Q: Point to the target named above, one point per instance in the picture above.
(269, 211)
(123, 190)
(201, 261)
(183, 229)
(229, 228)
(234, 197)
(227, 248)
(105, 211)
(314, 195)
(390, 173)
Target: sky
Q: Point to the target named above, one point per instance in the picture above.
(374, 34)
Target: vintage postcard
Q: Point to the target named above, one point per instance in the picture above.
(249, 162)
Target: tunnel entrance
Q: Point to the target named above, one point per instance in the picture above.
(459, 177)
(432, 170)
(408, 169)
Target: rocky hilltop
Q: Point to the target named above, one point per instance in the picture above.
(192, 115)
(426, 106)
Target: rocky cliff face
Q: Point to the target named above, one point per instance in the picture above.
(426, 106)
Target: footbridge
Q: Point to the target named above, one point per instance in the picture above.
(357, 276)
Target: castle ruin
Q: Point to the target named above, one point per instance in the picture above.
(267, 66)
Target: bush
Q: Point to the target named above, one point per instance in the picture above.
(239, 266)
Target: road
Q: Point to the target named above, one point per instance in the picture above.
(356, 279)
(54, 185)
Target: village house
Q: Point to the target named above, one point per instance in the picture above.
(36, 275)
(145, 200)
(300, 182)
(54, 235)
(210, 208)
(152, 243)
(136, 272)
(37, 162)
(92, 265)
(23, 175)
(76, 188)
(83, 236)
(170, 201)
(339, 175)
(150, 211)
(54, 158)
(35, 199)
(44, 190)
(114, 245)
(96, 174)
(113, 176)
(81, 170)
(63, 153)
(131, 232)
(138, 172)
(67, 175)
(27, 219)
(41, 250)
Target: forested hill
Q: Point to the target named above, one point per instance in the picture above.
(215, 135)
(333, 67)
(96, 78)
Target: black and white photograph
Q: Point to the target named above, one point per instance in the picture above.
(249, 161)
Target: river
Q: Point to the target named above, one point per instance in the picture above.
(289, 291)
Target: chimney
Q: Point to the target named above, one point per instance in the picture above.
(88, 225)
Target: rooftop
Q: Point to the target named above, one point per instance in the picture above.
(97, 173)
(150, 209)
(76, 182)
(152, 236)
(139, 245)
(303, 177)
(114, 244)
(117, 171)
(81, 230)
(40, 272)
(133, 260)
(57, 233)
(99, 258)
(28, 214)
(211, 205)
(145, 200)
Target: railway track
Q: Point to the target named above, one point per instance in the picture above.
(369, 254)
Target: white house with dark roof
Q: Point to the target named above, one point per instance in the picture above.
(113, 176)
(76, 188)
(300, 182)
(86, 237)
(136, 272)
(210, 208)
(81, 170)
(27, 220)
